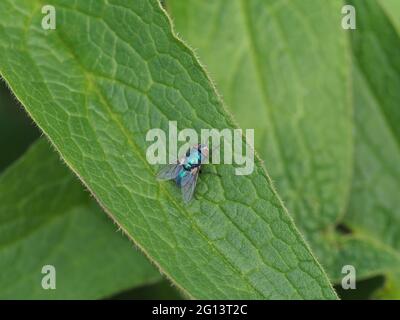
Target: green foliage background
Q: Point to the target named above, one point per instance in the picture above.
(324, 103)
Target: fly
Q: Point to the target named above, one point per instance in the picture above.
(186, 170)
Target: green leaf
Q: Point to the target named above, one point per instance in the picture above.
(391, 289)
(283, 68)
(46, 218)
(111, 71)
(373, 211)
(391, 9)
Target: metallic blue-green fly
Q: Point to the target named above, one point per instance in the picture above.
(186, 170)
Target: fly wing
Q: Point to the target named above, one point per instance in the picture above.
(188, 184)
(169, 172)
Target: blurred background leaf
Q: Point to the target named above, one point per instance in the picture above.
(374, 211)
